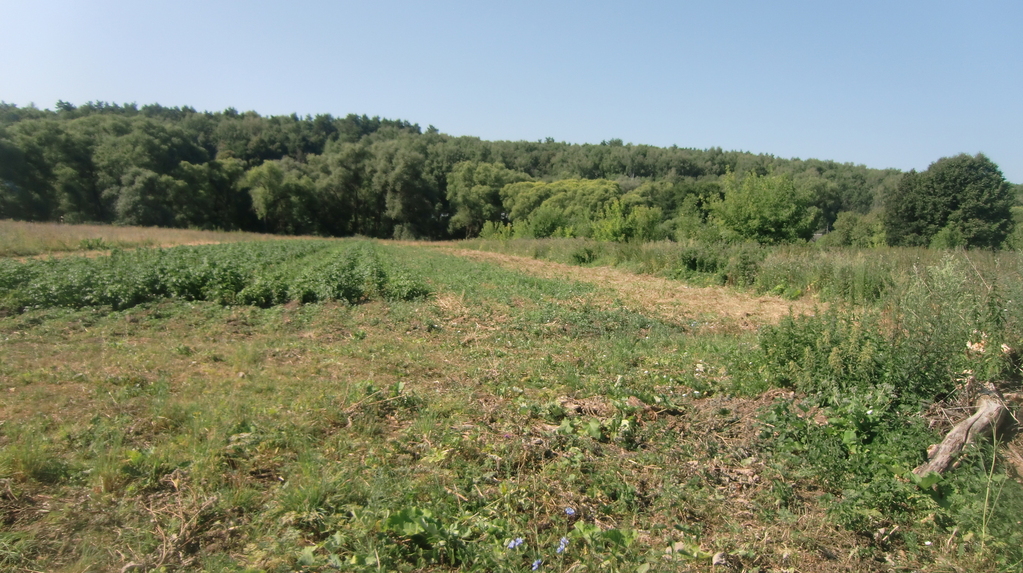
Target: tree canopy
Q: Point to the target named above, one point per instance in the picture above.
(175, 166)
(959, 201)
(766, 208)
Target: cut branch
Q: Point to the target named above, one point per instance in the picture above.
(991, 413)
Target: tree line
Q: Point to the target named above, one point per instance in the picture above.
(360, 175)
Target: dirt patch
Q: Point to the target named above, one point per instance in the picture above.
(669, 299)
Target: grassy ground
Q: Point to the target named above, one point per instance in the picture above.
(22, 239)
(848, 275)
(595, 413)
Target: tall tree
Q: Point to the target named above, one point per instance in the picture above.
(342, 193)
(766, 208)
(410, 199)
(961, 199)
(474, 194)
(283, 197)
(25, 192)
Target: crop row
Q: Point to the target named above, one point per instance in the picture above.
(261, 274)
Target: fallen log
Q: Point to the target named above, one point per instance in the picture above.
(990, 415)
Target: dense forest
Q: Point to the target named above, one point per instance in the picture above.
(360, 175)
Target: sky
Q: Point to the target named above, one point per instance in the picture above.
(884, 84)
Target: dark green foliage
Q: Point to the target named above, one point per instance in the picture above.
(282, 197)
(832, 354)
(349, 276)
(860, 455)
(736, 265)
(404, 285)
(958, 201)
(155, 165)
(474, 193)
(851, 229)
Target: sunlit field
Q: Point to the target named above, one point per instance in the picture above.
(357, 405)
(19, 238)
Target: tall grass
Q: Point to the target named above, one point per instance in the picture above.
(874, 373)
(830, 274)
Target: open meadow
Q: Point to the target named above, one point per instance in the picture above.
(557, 405)
(23, 238)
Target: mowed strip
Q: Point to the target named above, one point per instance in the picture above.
(670, 299)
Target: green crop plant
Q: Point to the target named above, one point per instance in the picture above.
(261, 274)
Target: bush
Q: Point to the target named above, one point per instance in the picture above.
(769, 209)
(915, 346)
(869, 373)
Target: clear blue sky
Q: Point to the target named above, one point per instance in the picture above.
(886, 84)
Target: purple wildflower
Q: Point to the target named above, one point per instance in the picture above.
(515, 542)
(569, 511)
(563, 545)
(537, 563)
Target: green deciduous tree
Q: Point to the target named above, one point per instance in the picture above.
(577, 201)
(215, 198)
(342, 194)
(611, 224)
(376, 176)
(645, 223)
(147, 198)
(765, 208)
(23, 190)
(958, 201)
(852, 229)
(397, 173)
(282, 196)
(474, 194)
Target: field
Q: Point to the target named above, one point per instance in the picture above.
(21, 239)
(370, 406)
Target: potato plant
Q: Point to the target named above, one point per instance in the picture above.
(257, 273)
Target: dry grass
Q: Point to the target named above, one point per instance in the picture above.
(672, 300)
(21, 239)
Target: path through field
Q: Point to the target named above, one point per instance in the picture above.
(670, 299)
